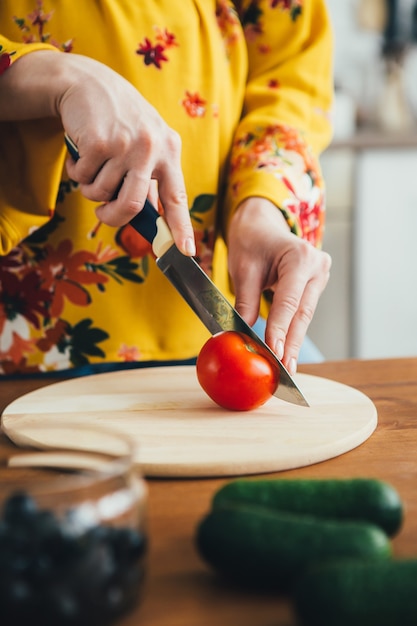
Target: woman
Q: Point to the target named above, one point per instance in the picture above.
(216, 111)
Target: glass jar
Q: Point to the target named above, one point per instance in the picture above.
(72, 528)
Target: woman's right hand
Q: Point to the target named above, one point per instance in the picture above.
(120, 137)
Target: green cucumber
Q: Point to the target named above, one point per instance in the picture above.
(365, 499)
(358, 594)
(257, 546)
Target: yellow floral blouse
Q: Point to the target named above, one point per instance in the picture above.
(248, 86)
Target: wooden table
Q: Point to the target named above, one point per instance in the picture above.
(180, 589)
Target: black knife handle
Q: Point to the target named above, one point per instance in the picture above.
(145, 221)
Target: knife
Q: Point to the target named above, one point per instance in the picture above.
(197, 289)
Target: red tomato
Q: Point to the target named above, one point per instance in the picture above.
(236, 372)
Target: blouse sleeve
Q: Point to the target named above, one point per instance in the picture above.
(32, 155)
(286, 121)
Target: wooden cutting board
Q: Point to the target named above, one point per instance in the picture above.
(181, 432)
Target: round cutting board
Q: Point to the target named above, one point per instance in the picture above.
(181, 432)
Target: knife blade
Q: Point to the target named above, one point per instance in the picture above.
(197, 288)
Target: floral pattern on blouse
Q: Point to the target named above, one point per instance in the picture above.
(194, 104)
(33, 28)
(154, 53)
(36, 280)
(251, 13)
(279, 150)
(34, 285)
(228, 22)
(5, 59)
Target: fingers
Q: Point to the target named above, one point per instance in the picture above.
(128, 201)
(296, 296)
(122, 184)
(264, 255)
(248, 289)
(93, 153)
(173, 196)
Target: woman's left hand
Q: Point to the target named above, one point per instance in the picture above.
(265, 255)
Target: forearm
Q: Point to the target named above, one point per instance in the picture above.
(30, 87)
(35, 84)
(286, 117)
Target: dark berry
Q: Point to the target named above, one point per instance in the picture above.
(63, 607)
(128, 544)
(55, 575)
(19, 509)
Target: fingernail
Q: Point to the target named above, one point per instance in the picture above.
(292, 366)
(189, 246)
(279, 349)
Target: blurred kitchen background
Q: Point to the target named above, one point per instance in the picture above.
(369, 309)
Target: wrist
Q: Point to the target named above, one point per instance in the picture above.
(31, 86)
(256, 208)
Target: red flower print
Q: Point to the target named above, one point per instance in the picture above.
(194, 104)
(19, 349)
(293, 6)
(23, 296)
(129, 353)
(67, 46)
(288, 137)
(309, 217)
(281, 150)
(5, 61)
(264, 48)
(251, 14)
(61, 265)
(165, 38)
(288, 185)
(12, 260)
(9, 367)
(273, 83)
(104, 255)
(153, 55)
(38, 17)
(65, 274)
(228, 23)
(52, 336)
(33, 28)
(3, 317)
